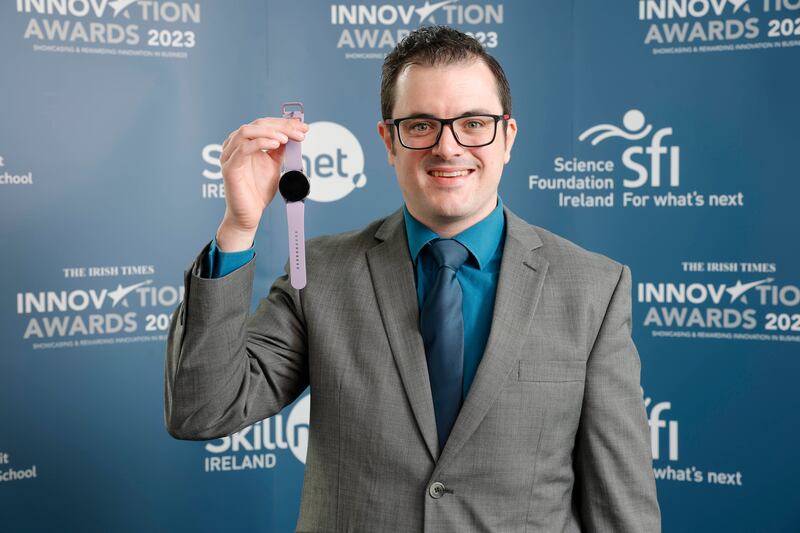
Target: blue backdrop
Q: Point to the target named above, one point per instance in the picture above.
(661, 133)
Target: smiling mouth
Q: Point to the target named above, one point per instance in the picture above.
(449, 174)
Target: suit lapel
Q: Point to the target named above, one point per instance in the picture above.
(522, 273)
(392, 275)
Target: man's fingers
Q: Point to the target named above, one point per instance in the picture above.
(286, 125)
(253, 146)
(250, 132)
(268, 129)
(239, 155)
(275, 129)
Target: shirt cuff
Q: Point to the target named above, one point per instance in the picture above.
(223, 263)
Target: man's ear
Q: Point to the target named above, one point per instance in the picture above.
(511, 134)
(385, 131)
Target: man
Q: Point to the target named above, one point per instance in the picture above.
(468, 371)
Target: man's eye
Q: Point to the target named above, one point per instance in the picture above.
(420, 127)
(474, 124)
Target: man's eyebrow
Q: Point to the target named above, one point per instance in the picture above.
(467, 113)
(420, 115)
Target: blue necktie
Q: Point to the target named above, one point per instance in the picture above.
(442, 328)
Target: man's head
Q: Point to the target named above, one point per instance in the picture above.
(432, 46)
(439, 72)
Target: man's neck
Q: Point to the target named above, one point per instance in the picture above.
(448, 227)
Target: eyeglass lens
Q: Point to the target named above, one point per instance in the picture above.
(474, 130)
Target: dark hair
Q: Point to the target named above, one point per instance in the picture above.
(437, 45)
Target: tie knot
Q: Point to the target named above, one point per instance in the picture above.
(448, 253)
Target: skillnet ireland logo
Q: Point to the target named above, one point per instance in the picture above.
(705, 26)
(333, 160)
(137, 28)
(664, 444)
(642, 159)
(259, 446)
(370, 31)
(100, 306)
(739, 301)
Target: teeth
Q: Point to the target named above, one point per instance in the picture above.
(440, 174)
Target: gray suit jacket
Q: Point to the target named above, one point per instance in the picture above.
(552, 436)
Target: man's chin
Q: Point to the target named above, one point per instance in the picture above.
(451, 212)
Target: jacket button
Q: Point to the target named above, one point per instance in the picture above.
(436, 490)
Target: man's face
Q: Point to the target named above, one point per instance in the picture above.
(449, 185)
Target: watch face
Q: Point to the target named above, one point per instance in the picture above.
(294, 186)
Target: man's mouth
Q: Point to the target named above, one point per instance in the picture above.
(449, 173)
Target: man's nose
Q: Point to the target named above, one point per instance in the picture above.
(447, 147)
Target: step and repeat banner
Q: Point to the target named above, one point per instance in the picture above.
(663, 133)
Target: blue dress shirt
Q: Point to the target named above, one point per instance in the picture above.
(221, 263)
(478, 276)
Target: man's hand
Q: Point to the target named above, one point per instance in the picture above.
(251, 164)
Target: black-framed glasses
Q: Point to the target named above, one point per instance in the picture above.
(423, 133)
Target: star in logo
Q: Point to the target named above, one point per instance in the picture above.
(428, 9)
(121, 5)
(121, 292)
(737, 291)
(737, 5)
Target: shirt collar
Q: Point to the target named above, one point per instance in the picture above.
(481, 239)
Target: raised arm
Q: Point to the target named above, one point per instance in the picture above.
(225, 370)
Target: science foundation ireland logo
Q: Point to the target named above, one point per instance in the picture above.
(664, 447)
(642, 159)
(635, 128)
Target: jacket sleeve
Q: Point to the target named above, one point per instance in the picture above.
(223, 369)
(613, 462)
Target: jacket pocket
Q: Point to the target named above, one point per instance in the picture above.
(551, 371)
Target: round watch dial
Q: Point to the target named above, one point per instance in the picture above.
(294, 186)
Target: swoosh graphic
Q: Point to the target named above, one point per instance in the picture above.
(737, 5)
(610, 130)
(428, 9)
(740, 288)
(120, 5)
(121, 292)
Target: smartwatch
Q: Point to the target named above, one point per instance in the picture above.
(294, 186)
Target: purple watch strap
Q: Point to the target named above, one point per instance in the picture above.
(297, 247)
(295, 211)
(292, 157)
